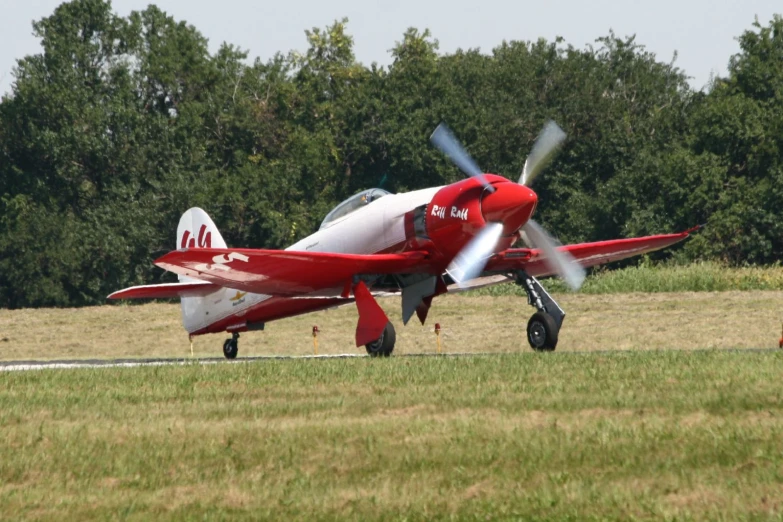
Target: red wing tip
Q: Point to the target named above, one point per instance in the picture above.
(694, 229)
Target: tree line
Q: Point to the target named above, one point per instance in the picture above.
(122, 123)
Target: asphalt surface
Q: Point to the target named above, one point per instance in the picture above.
(9, 366)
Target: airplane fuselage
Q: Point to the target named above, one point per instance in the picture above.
(372, 229)
(437, 220)
(382, 226)
(420, 244)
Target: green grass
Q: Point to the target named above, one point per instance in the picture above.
(648, 278)
(469, 323)
(647, 435)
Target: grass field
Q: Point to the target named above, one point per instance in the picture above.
(646, 435)
(653, 278)
(641, 321)
(655, 426)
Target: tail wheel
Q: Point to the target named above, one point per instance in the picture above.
(384, 345)
(231, 347)
(542, 332)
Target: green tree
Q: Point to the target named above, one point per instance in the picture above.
(91, 155)
(740, 123)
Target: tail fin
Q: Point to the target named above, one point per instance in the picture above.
(197, 298)
(197, 230)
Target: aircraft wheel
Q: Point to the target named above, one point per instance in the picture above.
(384, 345)
(231, 347)
(542, 332)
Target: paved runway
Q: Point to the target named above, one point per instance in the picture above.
(10, 366)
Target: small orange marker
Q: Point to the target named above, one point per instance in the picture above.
(315, 339)
(780, 343)
(437, 333)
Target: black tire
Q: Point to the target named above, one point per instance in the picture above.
(384, 345)
(542, 332)
(231, 348)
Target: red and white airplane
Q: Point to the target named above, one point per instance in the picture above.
(419, 244)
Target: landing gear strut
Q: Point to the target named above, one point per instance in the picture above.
(231, 346)
(384, 345)
(544, 326)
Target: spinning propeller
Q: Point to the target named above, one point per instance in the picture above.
(444, 139)
(509, 210)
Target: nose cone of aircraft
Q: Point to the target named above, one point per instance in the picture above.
(511, 204)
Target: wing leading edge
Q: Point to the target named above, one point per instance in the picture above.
(586, 254)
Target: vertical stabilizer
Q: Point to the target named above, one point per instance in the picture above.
(197, 230)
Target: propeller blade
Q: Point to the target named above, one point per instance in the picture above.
(471, 260)
(444, 139)
(546, 145)
(561, 263)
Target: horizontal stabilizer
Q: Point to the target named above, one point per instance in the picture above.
(167, 290)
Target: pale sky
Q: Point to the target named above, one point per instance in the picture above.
(703, 32)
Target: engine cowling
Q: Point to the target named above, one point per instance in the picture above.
(454, 216)
(458, 211)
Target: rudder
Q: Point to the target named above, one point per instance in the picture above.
(196, 230)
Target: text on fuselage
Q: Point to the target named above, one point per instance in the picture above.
(461, 213)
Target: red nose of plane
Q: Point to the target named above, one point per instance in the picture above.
(510, 204)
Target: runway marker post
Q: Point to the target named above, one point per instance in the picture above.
(780, 343)
(315, 339)
(437, 334)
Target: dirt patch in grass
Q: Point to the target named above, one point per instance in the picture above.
(480, 489)
(410, 411)
(696, 499)
(174, 498)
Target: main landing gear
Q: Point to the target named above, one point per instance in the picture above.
(384, 345)
(544, 326)
(231, 346)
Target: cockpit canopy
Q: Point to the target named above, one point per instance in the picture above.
(353, 203)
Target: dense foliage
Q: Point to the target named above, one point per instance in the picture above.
(121, 124)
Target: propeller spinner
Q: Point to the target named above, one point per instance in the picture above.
(507, 207)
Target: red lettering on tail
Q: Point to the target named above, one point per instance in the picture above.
(204, 239)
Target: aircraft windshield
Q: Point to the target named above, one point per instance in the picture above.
(353, 203)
